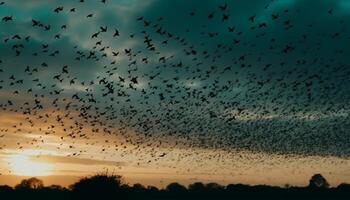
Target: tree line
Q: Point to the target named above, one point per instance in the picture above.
(105, 186)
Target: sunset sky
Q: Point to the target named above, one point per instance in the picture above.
(158, 91)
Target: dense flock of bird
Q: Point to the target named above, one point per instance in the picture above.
(271, 84)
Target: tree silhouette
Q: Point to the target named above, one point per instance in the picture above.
(176, 188)
(56, 187)
(138, 186)
(5, 189)
(344, 186)
(214, 187)
(318, 181)
(31, 183)
(96, 186)
(196, 187)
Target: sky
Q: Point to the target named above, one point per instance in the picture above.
(253, 92)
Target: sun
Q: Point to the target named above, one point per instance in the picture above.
(22, 165)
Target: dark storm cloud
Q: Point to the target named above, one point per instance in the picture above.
(260, 104)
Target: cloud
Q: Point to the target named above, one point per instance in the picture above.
(79, 161)
(256, 104)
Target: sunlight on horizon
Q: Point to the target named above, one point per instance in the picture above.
(22, 165)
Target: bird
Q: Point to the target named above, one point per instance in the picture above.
(116, 33)
(223, 7)
(7, 18)
(103, 29)
(196, 87)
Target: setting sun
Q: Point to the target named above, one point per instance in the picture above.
(22, 165)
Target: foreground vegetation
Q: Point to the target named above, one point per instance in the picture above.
(104, 186)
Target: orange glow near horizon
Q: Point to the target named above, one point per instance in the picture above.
(57, 159)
